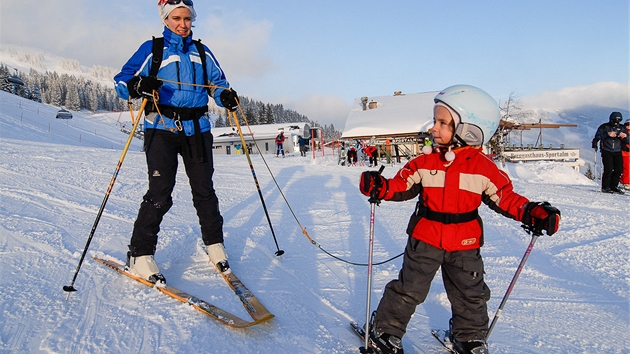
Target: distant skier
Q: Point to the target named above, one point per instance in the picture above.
(625, 154)
(342, 156)
(445, 229)
(611, 137)
(302, 143)
(352, 156)
(372, 154)
(280, 144)
(175, 125)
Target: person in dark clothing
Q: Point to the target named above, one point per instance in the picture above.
(372, 153)
(352, 156)
(452, 179)
(302, 142)
(176, 125)
(612, 136)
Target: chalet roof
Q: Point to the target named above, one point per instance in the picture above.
(262, 130)
(507, 125)
(397, 115)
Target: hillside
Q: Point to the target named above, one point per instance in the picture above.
(89, 96)
(26, 58)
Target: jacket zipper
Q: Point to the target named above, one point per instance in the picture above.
(179, 86)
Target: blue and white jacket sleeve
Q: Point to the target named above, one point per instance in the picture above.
(137, 65)
(216, 76)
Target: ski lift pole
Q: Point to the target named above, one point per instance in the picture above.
(70, 288)
(279, 252)
(535, 235)
(374, 201)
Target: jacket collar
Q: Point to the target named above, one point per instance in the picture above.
(175, 40)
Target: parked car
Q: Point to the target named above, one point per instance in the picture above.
(63, 114)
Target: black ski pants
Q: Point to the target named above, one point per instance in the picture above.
(462, 273)
(162, 148)
(613, 167)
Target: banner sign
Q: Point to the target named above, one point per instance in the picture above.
(542, 154)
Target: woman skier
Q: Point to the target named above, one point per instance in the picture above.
(173, 79)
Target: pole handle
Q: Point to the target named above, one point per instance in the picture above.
(374, 196)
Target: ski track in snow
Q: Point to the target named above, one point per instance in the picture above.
(572, 296)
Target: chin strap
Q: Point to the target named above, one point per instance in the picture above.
(460, 141)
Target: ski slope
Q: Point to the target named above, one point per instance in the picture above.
(572, 296)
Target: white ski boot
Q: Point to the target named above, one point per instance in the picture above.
(219, 257)
(145, 268)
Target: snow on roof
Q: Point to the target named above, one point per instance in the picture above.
(396, 115)
(263, 129)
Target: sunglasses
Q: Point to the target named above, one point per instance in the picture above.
(175, 2)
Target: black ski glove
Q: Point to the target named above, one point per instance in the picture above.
(229, 99)
(541, 216)
(140, 86)
(373, 182)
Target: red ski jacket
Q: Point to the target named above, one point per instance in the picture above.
(370, 150)
(456, 188)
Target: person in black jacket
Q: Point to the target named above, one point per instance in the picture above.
(611, 137)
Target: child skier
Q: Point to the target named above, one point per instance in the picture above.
(445, 230)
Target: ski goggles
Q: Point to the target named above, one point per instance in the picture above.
(175, 2)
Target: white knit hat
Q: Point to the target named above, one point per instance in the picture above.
(165, 8)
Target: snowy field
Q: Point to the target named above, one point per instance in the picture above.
(572, 296)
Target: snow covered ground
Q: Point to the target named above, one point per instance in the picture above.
(572, 296)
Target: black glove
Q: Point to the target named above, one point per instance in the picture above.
(541, 216)
(373, 184)
(140, 86)
(229, 99)
(594, 145)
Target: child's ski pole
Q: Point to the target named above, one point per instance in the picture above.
(535, 235)
(374, 201)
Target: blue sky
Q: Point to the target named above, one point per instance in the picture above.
(318, 56)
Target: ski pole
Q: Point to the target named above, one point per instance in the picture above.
(70, 288)
(374, 201)
(279, 252)
(595, 163)
(598, 176)
(535, 235)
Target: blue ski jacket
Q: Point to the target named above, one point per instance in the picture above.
(181, 64)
